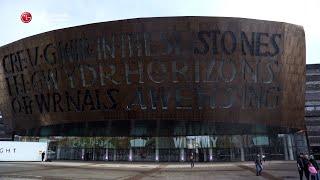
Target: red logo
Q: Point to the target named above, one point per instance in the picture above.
(26, 17)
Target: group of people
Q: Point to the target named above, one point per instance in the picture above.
(308, 166)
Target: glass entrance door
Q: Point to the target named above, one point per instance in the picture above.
(122, 154)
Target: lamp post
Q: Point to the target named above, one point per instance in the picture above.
(308, 144)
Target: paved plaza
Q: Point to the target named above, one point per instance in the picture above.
(134, 171)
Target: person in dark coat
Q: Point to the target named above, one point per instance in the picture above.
(43, 155)
(258, 164)
(305, 161)
(192, 160)
(300, 165)
(315, 165)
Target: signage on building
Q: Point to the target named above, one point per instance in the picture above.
(21, 151)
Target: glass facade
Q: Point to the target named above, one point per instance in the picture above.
(166, 141)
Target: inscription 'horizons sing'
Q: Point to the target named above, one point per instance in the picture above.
(162, 71)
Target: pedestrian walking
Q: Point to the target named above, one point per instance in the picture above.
(43, 155)
(300, 165)
(192, 160)
(306, 166)
(315, 165)
(312, 170)
(258, 164)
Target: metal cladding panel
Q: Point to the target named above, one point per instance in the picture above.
(175, 68)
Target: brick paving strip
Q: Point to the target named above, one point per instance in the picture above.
(263, 174)
(146, 173)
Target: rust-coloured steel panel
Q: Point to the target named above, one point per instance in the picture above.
(180, 68)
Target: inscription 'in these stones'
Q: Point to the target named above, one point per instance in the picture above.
(150, 69)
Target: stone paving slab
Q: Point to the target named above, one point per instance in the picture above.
(140, 164)
(66, 170)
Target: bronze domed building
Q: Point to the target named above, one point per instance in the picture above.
(156, 89)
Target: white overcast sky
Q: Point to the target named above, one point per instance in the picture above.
(54, 14)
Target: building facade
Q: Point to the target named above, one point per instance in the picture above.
(2, 128)
(159, 89)
(312, 107)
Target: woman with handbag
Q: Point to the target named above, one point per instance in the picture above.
(313, 171)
